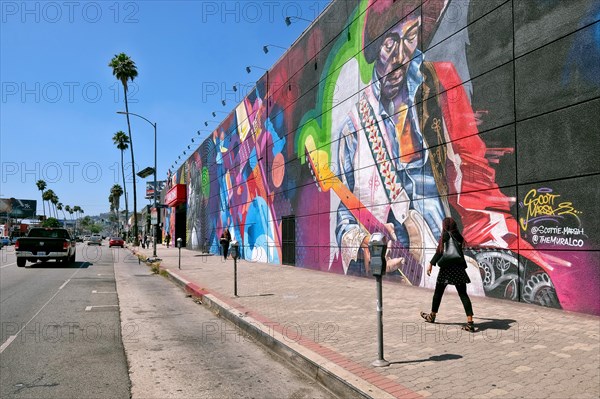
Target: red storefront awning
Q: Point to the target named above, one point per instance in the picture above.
(176, 195)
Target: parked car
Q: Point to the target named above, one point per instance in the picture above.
(86, 238)
(5, 241)
(95, 240)
(116, 242)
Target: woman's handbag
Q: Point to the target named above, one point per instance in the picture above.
(453, 254)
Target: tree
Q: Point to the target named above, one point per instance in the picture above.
(70, 210)
(116, 191)
(121, 140)
(47, 196)
(41, 185)
(124, 69)
(59, 207)
(111, 201)
(78, 211)
(51, 222)
(54, 201)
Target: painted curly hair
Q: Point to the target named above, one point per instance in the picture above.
(383, 14)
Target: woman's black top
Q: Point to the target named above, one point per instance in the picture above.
(451, 274)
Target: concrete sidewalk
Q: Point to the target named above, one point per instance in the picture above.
(327, 324)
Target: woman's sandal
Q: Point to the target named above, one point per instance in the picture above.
(470, 326)
(429, 318)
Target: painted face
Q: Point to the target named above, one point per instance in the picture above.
(396, 50)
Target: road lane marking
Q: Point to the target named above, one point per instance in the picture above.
(8, 341)
(103, 292)
(88, 308)
(10, 264)
(11, 339)
(65, 283)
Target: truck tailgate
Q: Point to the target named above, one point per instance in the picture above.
(41, 244)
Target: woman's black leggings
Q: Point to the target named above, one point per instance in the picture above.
(462, 293)
(225, 250)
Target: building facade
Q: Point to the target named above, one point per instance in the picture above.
(387, 116)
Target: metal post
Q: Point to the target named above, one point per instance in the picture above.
(179, 246)
(380, 362)
(235, 276)
(155, 189)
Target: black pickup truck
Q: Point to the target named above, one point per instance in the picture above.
(42, 244)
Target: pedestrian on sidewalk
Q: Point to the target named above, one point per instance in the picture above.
(168, 239)
(450, 274)
(225, 240)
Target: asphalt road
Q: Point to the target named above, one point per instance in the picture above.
(106, 327)
(176, 348)
(60, 328)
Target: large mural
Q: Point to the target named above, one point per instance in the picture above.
(387, 116)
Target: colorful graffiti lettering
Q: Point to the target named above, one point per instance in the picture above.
(541, 204)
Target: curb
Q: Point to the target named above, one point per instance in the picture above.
(333, 377)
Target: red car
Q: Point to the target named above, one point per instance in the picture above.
(116, 242)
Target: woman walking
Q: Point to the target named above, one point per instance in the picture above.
(450, 274)
(225, 240)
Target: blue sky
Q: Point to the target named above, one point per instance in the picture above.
(59, 98)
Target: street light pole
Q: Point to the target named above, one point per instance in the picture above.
(155, 187)
(154, 192)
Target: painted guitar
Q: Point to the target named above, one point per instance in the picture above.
(419, 234)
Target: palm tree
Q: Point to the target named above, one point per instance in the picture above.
(54, 201)
(59, 206)
(47, 196)
(76, 209)
(41, 185)
(121, 140)
(111, 201)
(116, 191)
(70, 210)
(124, 69)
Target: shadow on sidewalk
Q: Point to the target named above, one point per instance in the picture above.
(490, 324)
(435, 358)
(493, 324)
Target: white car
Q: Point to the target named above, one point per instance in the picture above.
(95, 240)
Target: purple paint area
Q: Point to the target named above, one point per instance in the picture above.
(578, 286)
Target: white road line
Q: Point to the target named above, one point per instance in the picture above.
(10, 264)
(88, 308)
(104, 292)
(9, 340)
(65, 283)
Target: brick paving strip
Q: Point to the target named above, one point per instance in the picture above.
(327, 324)
(325, 366)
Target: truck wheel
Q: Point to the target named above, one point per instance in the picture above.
(21, 262)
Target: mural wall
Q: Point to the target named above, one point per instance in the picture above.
(389, 116)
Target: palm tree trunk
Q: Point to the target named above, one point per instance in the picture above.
(43, 204)
(135, 221)
(124, 189)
